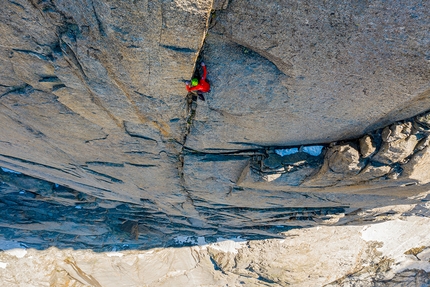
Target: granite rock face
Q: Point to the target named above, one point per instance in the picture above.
(398, 157)
(252, 195)
(290, 73)
(114, 154)
(93, 95)
(93, 99)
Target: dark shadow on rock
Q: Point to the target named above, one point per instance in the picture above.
(37, 214)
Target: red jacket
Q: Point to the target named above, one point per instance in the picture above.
(203, 86)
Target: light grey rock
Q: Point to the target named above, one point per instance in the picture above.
(396, 151)
(371, 172)
(294, 177)
(367, 146)
(243, 102)
(340, 163)
(212, 176)
(344, 159)
(333, 71)
(396, 132)
(418, 167)
(93, 96)
(220, 4)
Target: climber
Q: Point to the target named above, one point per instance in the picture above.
(200, 86)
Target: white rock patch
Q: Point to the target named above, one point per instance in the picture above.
(17, 252)
(231, 245)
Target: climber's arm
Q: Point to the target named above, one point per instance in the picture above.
(196, 88)
(205, 72)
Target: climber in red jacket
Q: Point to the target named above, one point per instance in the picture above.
(200, 86)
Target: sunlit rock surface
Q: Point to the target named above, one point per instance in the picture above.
(93, 97)
(317, 123)
(288, 72)
(391, 253)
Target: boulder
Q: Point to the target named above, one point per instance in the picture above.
(344, 159)
(340, 163)
(396, 132)
(396, 151)
(418, 167)
(371, 172)
(367, 146)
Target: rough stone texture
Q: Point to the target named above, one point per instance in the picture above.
(396, 132)
(423, 143)
(367, 146)
(93, 95)
(46, 215)
(380, 254)
(92, 99)
(344, 159)
(397, 150)
(340, 161)
(418, 168)
(371, 172)
(397, 159)
(423, 121)
(296, 69)
(29, 184)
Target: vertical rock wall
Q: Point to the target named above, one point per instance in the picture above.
(92, 98)
(92, 93)
(290, 73)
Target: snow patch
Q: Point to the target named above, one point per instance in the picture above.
(17, 252)
(314, 150)
(287, 151)
(3, 265)
(228, 245)
(185, 239)
(9, 170)
(399, 236)
(190, 240)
